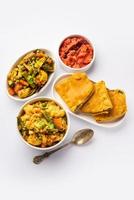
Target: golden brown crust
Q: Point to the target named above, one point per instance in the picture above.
(75, 90)
(118, 99)
(100, 101)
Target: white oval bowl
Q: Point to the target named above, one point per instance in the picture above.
(68, 123)
(49, 53)
(82, 116)
(85, 67)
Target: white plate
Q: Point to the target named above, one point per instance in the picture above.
(80, 115)
(49, 53)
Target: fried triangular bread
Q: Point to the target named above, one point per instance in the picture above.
(99, 102)
(118, 99)
(75, 90)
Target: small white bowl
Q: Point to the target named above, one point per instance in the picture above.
(68, 123)
(49, 53)
(85, 67)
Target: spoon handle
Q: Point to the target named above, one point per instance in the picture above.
(40, 158)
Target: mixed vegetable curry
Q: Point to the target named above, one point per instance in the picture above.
(30, 74)
(43, 123)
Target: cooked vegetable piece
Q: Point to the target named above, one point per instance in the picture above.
(30, 79)
(40, 62)
(41, 78)
(28, 56)
(11, 91)
(10, 83)
(47, 67)
(34, 140)
(41, 123)
(58, 122)
(25, 83)
(18, 87)
(23, 93)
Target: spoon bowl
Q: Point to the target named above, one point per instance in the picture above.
(82, 136)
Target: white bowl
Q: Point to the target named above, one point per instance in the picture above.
(85, 67)
(68, 123)
(49, 53)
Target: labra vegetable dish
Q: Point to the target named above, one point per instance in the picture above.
(30, 74)
(42, 123)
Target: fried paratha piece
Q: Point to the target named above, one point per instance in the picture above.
(99, 102)
(75, 90)
(118, 99)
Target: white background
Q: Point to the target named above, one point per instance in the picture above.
(104, 169)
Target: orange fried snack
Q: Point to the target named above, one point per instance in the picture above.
(99, 102)
(118, 99)
(75, 90)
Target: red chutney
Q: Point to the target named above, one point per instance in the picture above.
(76, 52)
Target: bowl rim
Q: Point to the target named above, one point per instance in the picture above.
(43, 88)
(41, 98)
(85, 67)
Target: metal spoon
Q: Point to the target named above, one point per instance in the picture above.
(79, 138)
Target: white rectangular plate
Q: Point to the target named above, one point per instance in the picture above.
(81, 115)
